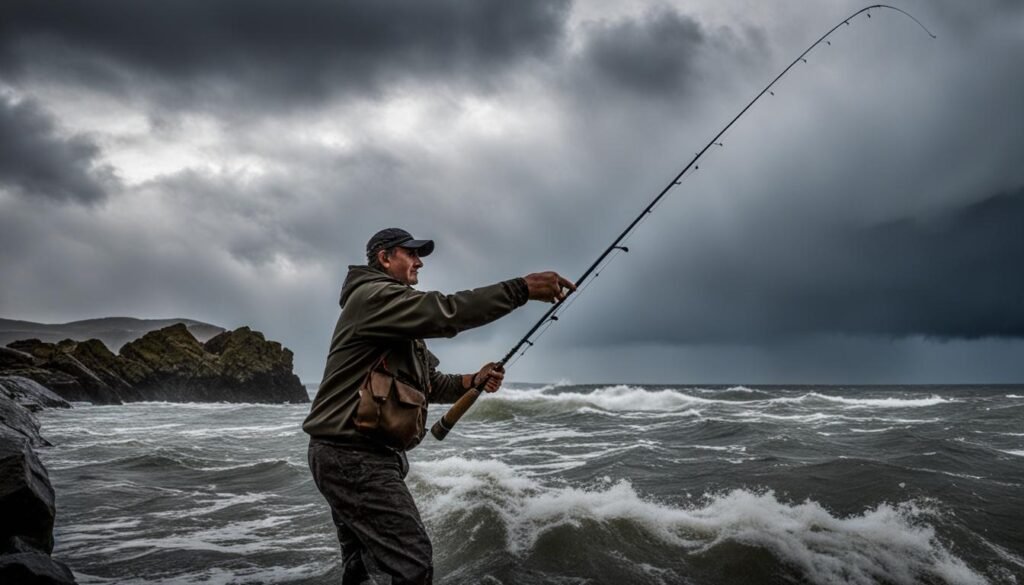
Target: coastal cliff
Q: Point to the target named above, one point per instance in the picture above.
(26, 496)
(168, 364)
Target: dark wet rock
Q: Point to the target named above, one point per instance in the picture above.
(16, 419)
(34, 568)
(27, 506)
(117, 375)
(235, 366)
(64, 385)
(39, 350)
(12, 358)
(95, 356)
(250, 361)
(30, 394)
(26, 496)
(55, 367)
(171, 351)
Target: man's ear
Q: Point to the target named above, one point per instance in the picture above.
(383, 258)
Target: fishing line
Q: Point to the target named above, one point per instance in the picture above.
(565, 307)
(619, 250)
(446, 422)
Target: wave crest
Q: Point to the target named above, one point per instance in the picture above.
(890, 543)
(624, 398)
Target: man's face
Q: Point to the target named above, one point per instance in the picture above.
(403, 265)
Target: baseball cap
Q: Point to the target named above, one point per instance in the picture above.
(391, 237)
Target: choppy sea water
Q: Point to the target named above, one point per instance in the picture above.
(571, 485)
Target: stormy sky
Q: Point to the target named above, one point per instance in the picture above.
(227, 160)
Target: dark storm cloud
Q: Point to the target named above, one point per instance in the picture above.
(956, 275)
(659, 54)
(653, 54)
(261, 49)
(37, 162)
(953, 275)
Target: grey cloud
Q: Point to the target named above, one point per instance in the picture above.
(35, 161)
(251, 51)
(654, 54)
(954, 275)
(662, 54)
(858, 204)
(863, 200)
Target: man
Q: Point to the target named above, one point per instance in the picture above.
(382, 315)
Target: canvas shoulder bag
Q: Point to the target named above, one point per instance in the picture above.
(390, 410)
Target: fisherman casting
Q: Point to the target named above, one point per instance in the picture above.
(372, 403)
(380, 376)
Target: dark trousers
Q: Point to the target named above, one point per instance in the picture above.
(379, 527)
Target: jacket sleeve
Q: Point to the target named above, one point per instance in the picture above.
(390, 309)
(444, 388)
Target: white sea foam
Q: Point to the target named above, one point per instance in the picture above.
(891, 543)
(107, 431)
(241, 430)
(743, 389)
(209, 503)
(622, 398)
(873, 402)
(618, 398)
(244, 537)
(1018, 453)
(613, 398)
(726, 448)
(216, 576)
(547, 436)
(645, 415)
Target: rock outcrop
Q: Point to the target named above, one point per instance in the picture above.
(169, 364)
(235, 366)
(26, 495)
(30, 394)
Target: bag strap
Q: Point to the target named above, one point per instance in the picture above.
(381, 361)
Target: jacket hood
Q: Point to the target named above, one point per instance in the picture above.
(358, 276)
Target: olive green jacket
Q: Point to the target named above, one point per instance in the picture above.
(380, 314)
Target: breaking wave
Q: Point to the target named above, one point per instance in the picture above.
(889, 543)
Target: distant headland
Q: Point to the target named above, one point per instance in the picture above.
(112, 331)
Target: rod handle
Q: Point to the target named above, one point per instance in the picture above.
(447, 422)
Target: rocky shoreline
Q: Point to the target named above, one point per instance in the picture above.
(26, 495)
(168, 364)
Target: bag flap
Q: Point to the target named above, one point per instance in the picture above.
(380, 384)
(406, 394)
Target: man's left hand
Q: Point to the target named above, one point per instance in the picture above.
(493, 373)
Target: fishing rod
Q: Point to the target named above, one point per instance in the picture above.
(447, 422)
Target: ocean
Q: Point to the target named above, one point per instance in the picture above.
(571, 484)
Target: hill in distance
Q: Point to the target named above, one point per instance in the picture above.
(112, 331)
